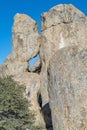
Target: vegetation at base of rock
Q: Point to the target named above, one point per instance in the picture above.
(14, 112)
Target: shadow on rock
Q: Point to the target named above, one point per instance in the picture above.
(46, 111)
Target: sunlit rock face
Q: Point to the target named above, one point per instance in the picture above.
(31, 82)
(24, 36)
(62, 26)
(25, 46)
(68, 88)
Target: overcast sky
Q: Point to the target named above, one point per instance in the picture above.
(33, 8)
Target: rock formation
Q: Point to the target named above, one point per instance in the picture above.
(25, 46)
(63, 37)
(62, 26)
(68, 88)
(25, 36)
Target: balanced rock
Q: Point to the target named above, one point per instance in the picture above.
(24, 37)
(67, 75)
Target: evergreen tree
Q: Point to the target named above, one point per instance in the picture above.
(14, 112)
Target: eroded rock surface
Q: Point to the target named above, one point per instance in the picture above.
(25, 35)
(68, 89)
(31, 82)
(25, 46)
(62, 26)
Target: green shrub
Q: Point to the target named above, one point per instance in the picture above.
(14, 112)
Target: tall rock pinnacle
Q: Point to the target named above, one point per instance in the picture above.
(24, 37)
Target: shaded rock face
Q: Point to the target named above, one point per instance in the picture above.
(68, 89)
(62, 26)
(46, 112)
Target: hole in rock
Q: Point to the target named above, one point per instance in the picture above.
(34, 64)
(33, 60)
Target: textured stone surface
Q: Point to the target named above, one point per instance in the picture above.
(63, 13)
(67, 76)
(25, 35)
(16, 67)
(25, 46)
(62, 26)
(31, 81)
(44, 85)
